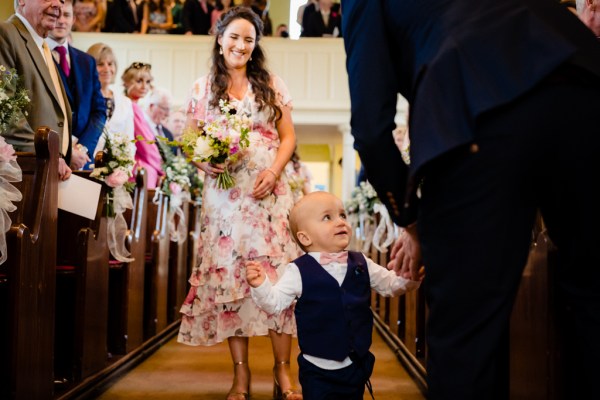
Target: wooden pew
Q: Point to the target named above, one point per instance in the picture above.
(157, 265)
(178, 267)
(126, 280)
(26, 354)
(82, 294)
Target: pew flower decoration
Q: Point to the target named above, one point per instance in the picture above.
(362, 208)
(180, 183)
(13, 98)
(13, 103)
(9, 172)
(219, 140)
(115, 170)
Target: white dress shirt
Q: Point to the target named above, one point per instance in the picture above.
(276, 298)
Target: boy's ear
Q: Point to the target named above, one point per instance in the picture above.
(303, 238)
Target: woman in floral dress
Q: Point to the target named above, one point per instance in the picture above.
(249, 220)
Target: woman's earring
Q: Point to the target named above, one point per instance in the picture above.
(250, 58)
(221, 50)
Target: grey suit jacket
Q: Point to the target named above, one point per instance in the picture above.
(18, 50)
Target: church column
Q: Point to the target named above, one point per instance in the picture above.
(348, 161)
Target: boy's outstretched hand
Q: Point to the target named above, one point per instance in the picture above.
(254, 274)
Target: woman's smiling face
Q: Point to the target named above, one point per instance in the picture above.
(238, 42)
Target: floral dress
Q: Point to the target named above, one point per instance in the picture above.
(235, 228)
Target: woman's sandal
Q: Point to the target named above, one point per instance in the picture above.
(239, 395)
(278, 394)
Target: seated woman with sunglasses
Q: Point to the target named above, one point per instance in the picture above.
(137, 81)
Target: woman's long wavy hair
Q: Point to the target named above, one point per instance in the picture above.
(256, 71)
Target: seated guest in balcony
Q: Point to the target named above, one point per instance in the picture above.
(488, 151)
(119, 110)
(335, 361)
(121, 16)
(196, 17)
(261, 8)
(137, 80)
(89, 15)
(176, 13)
(156, 17)
(326, 21)
(221, 6)
(22, 47)
(80, 78)
(157, 107)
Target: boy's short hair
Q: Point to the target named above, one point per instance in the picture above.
(293, 220)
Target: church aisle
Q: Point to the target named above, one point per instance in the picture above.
(181, 372)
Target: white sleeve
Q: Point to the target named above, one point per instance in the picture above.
(386, 282)
(276, 298)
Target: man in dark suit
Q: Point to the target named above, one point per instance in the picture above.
(196, 17)
(80, 79)
(122, 16)
(503, 102)
(22, 47)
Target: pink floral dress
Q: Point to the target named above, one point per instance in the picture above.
(236, 227)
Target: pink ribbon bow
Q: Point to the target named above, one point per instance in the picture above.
(341, 257)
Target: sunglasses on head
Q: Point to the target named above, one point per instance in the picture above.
(139, 65)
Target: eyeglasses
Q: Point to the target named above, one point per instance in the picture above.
(139, 65)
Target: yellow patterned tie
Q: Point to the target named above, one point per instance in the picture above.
(56, 82)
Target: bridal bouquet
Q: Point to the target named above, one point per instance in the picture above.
(219, 140)
(13, 98)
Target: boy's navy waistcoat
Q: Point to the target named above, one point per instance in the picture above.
(334, 320)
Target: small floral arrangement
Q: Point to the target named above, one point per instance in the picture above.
(117, 166)
(13, 98)
(362, 199)
(218, 141)
(179, 176)
(9, 172)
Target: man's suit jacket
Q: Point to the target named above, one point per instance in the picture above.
(195, 19)
(119, 17)
(314, 26)
(18, 50)
(452, 61)
(86, 100)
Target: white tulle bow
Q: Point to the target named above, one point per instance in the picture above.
(117, 226)
(9, 172)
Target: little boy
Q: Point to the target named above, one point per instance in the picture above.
(333, 288)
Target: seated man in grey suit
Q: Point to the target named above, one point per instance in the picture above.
(22, 48)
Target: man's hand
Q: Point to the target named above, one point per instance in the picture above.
(254, 274)
(64, 172)
(79, 158)
(406, 258)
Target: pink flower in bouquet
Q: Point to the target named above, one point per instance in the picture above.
(174, 188)
(117, 178)
(7, 153)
